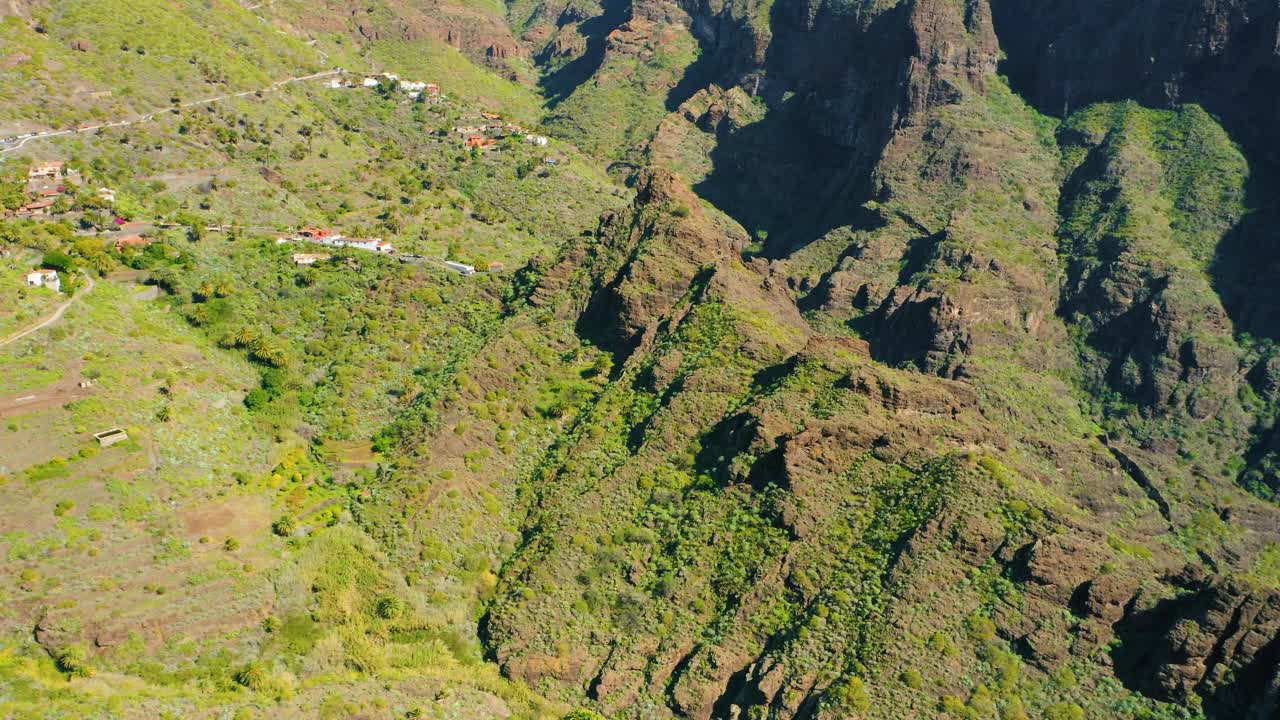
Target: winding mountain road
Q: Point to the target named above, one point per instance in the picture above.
(152, 115)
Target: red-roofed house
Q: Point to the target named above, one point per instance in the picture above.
(131, 241)
(480, 141)
(320, 235)
(39, 208)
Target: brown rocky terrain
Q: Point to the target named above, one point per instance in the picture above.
(477, 32)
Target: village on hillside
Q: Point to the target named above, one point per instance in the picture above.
(483, 130)
(54, 190)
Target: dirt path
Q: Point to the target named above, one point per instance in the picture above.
(152, 115)
(55, 317)
(65, 391)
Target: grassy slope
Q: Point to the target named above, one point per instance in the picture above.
(349, 648)
(21, 306)
(140, 53)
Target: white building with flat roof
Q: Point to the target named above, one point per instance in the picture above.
(44, 278)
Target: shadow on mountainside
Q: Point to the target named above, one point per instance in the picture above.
(782, 180)
(804, 169)
(559, 84)
(1190, 54)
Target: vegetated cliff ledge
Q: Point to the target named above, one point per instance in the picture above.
(1222, 54)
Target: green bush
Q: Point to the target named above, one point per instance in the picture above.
(389, 607)
(1064, 711)
(284, 526)
(74, 661)
(252, 676)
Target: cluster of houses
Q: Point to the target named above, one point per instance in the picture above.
(413, 88)
(484, 131)
(491, 128)
(46, 183)
(332, 238)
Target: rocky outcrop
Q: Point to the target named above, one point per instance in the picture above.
(654, 256)
(1217, 639)
(922, 327)
(480, 34)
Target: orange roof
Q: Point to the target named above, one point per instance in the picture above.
(131, 240)
(38, 205)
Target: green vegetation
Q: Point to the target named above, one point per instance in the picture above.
(922, 455)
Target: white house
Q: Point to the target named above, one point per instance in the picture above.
(379, 78)
(412, 86)
(45, 278)
(539, 140)
(371, 244)
(460, 267)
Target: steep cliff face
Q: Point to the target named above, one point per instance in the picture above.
(1015, 406)
(1218, 640)
(479, 32)
(842, 81)
(1222, 55)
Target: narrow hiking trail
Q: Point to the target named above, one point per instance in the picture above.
(55, 317)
